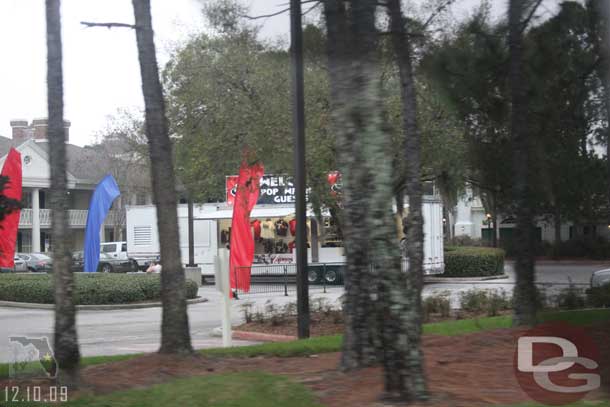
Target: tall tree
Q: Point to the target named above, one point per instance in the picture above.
(66, 341)
(525, 290)
(404, 365)
(175, 334)
(360, 337)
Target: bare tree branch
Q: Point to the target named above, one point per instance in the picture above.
(284, 10)
(277, 13)
(436, 12)
(90, 24)
(531, 14)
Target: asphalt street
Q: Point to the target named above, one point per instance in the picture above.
(137, 330)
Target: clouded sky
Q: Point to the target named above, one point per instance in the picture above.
(101, 71)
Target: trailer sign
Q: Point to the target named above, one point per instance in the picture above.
(274, 189)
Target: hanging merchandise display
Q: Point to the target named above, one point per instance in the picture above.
(281, 228)
(256, 229)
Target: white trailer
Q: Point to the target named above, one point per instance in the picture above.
(143, 236)
(211, 219)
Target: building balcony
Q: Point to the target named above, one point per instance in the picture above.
(77, 218)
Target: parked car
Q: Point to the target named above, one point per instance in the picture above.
(107, 264)
(37, 262)
(110, 264)
(19, 266)
(78, 261)
(600, 277)
(118, 250)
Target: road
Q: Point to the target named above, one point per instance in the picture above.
(132, 331)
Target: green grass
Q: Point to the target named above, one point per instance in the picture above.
(252, 389)
(466, 326)
(325, 344)
(311, 346)
(589, 403)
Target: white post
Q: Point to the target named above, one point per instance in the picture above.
(463, 224)
(221, 277)
(36, 220)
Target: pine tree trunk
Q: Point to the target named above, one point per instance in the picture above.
(66, 341)
(403, 359)
(525, 290)
(359, 342)
(175, 334)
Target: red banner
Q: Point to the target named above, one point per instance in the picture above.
(10, 224)
(247, 190)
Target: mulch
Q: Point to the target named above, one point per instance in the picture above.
(467, 370)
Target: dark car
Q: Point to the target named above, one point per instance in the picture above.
(37, 262)
(107, 264)
(78, 262)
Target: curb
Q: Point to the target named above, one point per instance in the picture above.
(262, 337)
(101, 307)
(464, 279)
(565, 262)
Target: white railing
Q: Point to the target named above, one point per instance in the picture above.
(76, 218)
(45, 217)
(25, 218)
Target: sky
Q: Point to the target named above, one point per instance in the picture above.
(101, 72)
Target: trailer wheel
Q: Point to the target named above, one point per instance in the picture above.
(312, 276)
(331, 276)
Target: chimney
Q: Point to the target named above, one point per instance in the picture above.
(38, 130)
(21, 131)
(67, 124)
(40, 127)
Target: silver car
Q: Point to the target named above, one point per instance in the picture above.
(37, 262)
(19, 266)
(600, 277)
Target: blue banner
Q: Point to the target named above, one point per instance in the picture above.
(101, 201)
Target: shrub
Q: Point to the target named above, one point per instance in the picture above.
(490, 302)
(593, 248)
(570, 298)
(599, 297)
(90, 288)
(437, 303)
(246, 309)
(473, 262)
(464, 241)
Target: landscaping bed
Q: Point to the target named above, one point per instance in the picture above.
(90, 288)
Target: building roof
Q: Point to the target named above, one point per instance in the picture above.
(83, 163)
(5, 145)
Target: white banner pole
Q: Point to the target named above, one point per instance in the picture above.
(221, 264)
